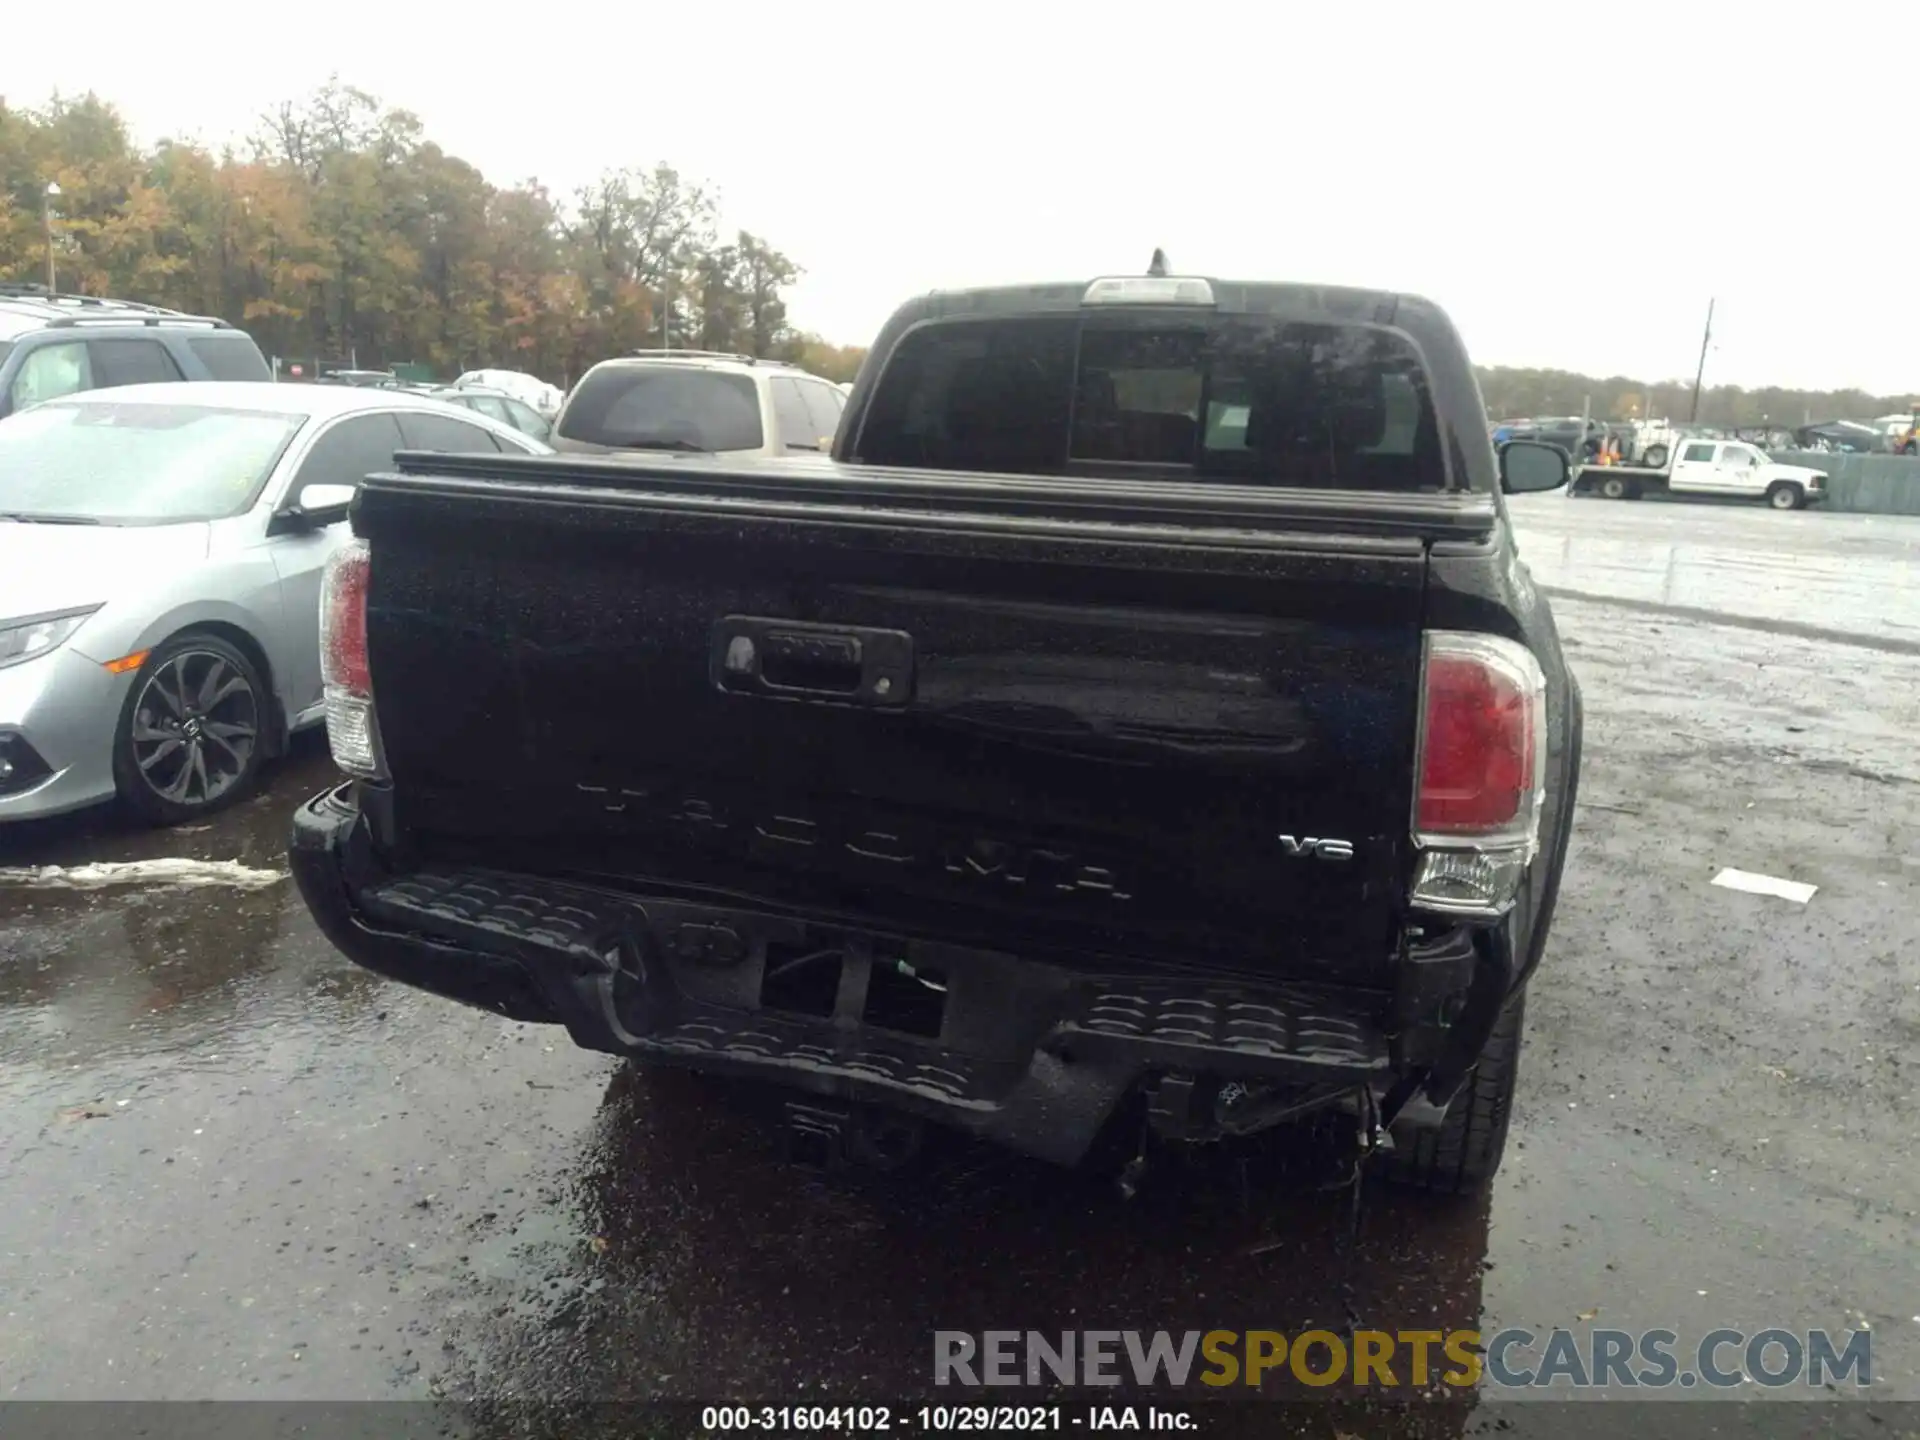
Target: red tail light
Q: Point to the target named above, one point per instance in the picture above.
(1480, 754)
(343, 622)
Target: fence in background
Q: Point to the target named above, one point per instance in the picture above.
(309, 367)
(1864, 484)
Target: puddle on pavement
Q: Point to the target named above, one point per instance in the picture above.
(697, 1261)
(254, 832)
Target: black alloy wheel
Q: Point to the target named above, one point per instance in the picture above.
(192, 737)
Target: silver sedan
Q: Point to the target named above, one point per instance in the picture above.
(161, 552)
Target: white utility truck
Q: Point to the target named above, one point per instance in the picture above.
(1709, 467)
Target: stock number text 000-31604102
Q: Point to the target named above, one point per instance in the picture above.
(974, 1419)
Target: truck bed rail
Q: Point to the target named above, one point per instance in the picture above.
(878, 495)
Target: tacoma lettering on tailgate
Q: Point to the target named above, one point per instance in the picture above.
(973, 859)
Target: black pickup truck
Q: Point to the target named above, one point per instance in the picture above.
(1141, 719)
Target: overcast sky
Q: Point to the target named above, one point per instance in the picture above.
(1572, 181)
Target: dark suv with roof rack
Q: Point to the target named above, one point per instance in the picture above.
(54, 344)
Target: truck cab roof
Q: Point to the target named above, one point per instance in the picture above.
(1244, 297)
(1269, 357)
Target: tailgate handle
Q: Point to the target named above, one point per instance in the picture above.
(786, 659)
(829, 664)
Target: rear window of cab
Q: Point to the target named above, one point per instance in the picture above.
(1243, 400)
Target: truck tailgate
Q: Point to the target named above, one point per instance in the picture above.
(1038, 731)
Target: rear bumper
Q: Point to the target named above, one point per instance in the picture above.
(1030, 1055)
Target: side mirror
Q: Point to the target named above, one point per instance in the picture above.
(1527, 466)
(318, 503)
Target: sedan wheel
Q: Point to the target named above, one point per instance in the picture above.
(192, 738)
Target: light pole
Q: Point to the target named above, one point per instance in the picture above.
(52, 194)
(1706, 339)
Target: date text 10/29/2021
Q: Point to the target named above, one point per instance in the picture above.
(941, 1419)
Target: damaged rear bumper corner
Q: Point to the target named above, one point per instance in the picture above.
(1026, 1054)
(324, 855)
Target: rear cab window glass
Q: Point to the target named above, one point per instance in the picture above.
(131, 362)
(666, 407)
(229, 357)
(1698, 454)
(1243, 400)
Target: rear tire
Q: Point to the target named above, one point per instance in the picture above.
(1910, 448)
(1464, 1152)
(1655, 457)
(1619, 487)
(193, 732)
(1784, 496)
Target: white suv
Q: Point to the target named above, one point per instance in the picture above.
(700, 402)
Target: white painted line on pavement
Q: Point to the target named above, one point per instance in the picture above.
(1794, 890)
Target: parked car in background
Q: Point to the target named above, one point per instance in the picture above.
(701, 402)
(1845, 437)
(1646, 442)
(529, 390)
(363, 379)
(53, 345)
(1903, 435)
(161, 550)
(495, 405)
(1572, 434)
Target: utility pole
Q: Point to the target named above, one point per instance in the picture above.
(52, 194)
(1699, 373)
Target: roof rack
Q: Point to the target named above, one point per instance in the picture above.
(165, 317)
(705, 355)
(67, 309)
(86, 302)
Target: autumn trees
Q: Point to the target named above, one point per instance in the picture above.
(341, 231)
(1515, 393)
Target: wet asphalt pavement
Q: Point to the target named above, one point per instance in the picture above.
(234, 1166)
